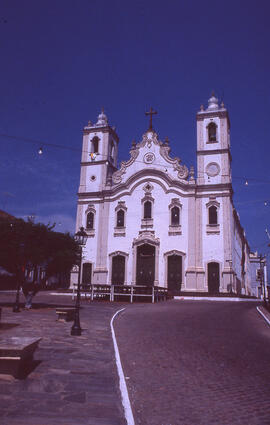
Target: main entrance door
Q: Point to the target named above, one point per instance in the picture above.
(213, 278)
(174, 273)
(118, 270)
(145, 274)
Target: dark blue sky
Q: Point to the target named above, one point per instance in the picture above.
(61, 61)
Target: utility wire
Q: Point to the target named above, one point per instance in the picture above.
(41, 144)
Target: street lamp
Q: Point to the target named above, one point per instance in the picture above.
(81, 238)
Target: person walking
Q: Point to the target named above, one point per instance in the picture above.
(30, 288)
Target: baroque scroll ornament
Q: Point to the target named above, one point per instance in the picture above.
(118, 175)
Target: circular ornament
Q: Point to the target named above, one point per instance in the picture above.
(149, 158)
(212, 169)
(93, 178)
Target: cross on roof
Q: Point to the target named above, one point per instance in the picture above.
(151, 113)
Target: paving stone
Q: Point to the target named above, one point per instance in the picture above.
(187, 362)
(69, 370)
(196, 363)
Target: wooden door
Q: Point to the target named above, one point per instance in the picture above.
(87, 274)
(174, 273)
(145, 265)
(213, 278)
(118, 270)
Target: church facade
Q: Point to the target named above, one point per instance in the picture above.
(152, 221)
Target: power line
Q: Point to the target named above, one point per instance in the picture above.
(39, 142)
(41, 145)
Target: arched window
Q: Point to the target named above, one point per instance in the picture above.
(120, 218)
(213, 218)
(175, 216)
(90, 221)
(147, 210)
(95, 141)
(212, 132)
(112, 150)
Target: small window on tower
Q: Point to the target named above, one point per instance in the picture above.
(95, 141)
(175, 216)
(90, 221)
(212, 132)
(112, 151)
(120, 220)
(213, 219)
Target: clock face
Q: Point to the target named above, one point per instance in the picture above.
(212, 169)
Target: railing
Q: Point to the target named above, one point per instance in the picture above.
(116, 292)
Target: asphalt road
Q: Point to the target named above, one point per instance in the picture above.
(192, 362)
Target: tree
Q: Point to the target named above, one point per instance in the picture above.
(26, 244)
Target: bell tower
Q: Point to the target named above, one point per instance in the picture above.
(99, 155)
(213, 144)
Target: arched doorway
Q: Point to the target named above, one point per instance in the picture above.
(87, 274)
(145, 268)
(118, 270)
(213, 278)
(174, 273)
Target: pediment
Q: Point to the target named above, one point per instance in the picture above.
(152, 154)
(146, 237)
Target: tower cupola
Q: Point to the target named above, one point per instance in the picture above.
(212, 103)
(102, 119)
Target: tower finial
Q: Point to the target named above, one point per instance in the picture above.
(213, 102)
(102, 119)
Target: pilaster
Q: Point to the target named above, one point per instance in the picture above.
(227, 244)
(190, 281)
(100, 273)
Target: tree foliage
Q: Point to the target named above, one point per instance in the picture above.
(25, 244)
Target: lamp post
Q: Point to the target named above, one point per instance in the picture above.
(81, 238)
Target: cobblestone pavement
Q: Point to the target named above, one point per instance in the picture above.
(75, 380)
(196, 362)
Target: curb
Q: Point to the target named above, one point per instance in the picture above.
(263, 315)
(216, 299)
(122, 382)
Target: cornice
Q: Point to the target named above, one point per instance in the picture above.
(213, 151)
(117, 193)
(104, 129)
(103, 161)
(215, 187)
(221, 113)
(186, 191)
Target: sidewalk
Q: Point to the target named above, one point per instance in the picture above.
(75, 380)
